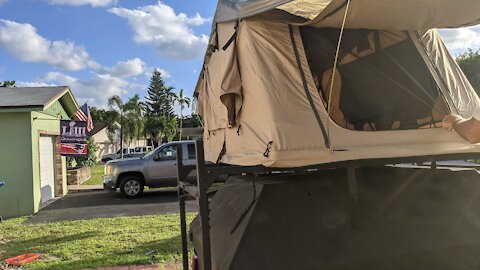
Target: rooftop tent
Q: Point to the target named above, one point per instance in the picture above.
(264, 91)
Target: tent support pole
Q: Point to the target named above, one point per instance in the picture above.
(334, 68)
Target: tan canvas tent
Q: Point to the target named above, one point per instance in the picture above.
(271, 92)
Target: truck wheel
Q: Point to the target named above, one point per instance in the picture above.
(131, 186)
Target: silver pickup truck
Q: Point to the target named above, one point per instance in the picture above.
(156, 169)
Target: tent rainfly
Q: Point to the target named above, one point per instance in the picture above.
(296, 83)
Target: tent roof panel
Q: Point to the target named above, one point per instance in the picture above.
(229, 10)
(400, 15)
(371, 14)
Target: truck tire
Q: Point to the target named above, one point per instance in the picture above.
(131, 186)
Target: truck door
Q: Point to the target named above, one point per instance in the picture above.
(162, 168)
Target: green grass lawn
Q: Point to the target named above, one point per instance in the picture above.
(94, 243)
(97, 173)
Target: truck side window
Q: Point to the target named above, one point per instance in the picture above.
(168, 153)
(191, 151)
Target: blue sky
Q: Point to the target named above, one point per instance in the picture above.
(106, 47)
(101, 47)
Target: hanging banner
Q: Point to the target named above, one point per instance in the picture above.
(73, 138)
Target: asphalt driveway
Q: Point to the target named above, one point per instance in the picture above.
(102, 204)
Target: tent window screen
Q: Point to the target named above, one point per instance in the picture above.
(381, 81)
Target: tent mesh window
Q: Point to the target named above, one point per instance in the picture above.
(381, 81)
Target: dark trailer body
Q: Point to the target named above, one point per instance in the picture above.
(403, 219)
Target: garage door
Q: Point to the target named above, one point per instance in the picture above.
(47, 168)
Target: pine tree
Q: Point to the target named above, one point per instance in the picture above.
(160, 97)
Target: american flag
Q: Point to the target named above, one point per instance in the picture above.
(83, 114)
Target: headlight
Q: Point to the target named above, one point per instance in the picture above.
(108, 170)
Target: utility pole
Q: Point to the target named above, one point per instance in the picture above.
(121, 136)
(121, 124)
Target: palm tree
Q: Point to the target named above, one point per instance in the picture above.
(182, 101)
(134, 112)
(111, 120)
(160, 129)
(154, 127)
(170, 128)
(115, 104)
(130, 116)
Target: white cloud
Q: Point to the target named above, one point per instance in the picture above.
(23, 42)
(165, 73)
(129, 68)
(461, 39)
(132, 68)
(95, 90)
(32, 84)
(60, 77)
(93, 3)
(170, 33)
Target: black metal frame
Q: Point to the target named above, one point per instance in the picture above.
(208, 173)
(1, 185)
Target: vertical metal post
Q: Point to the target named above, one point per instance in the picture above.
(181, 201)
(183, 227)
(353, 192)
(433, 164)
(203, 185)
(352, 184)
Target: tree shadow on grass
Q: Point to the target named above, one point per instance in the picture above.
(40, 244)
(153, 252)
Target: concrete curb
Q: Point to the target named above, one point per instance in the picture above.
(86, 188)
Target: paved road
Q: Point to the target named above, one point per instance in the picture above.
(97, 204)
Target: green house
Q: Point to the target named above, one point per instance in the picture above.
(31, 166)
